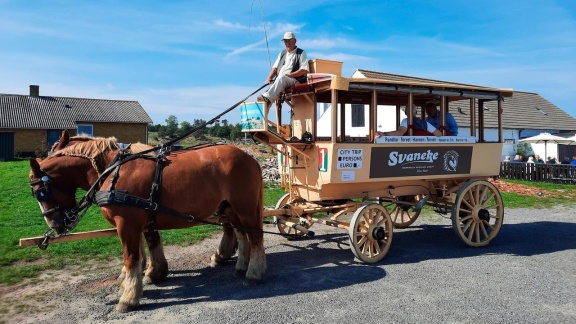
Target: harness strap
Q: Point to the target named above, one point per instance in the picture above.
(121, 197)
(155, 195)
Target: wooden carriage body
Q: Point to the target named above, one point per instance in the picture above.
(383, 182)
(341, 166)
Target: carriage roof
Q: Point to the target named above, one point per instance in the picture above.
(453, 91)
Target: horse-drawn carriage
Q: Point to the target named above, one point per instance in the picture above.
(331, 161)
(327, 167)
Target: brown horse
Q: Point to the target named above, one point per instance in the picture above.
(217, 179)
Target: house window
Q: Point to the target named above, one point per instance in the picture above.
(358, 116)
(53, 136)
(84, 129)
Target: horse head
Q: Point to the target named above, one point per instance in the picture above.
(74, 162)
(55, 197)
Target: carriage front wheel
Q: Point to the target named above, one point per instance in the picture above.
(370, 233)
(288, 230)
(477, 213)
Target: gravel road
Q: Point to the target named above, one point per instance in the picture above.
(526, 275)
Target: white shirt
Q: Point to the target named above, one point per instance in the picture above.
(289, 62)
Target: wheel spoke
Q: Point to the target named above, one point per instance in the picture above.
(377, 246)
(495, 205)
(470, 205)
(362, 240)
(483, 227)
(492, 228)
(470, 231)
(477, 232)
(466, 224)
(492, 195)
(466, 218)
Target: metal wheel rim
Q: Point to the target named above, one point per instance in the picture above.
(477, 213)
(366, 221)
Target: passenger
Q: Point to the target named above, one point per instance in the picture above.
(507, 158)
(537, 159)
(419, 125)
(530, 159)
(566, 160)
(291, 67)
(552, 160)
(434, 119)
(517, 158)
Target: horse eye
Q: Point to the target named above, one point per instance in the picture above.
(45, 179)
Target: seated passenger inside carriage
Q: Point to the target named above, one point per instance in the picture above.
(419, 127)
(433, 118)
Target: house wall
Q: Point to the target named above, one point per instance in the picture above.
(30, 142)
(33, 142)
(124, 133)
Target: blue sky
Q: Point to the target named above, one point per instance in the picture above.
(194, 59)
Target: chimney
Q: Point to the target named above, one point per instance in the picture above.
(34, 90)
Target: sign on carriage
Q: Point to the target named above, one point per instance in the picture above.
(349, 159)
(419, 161)
(252, 116)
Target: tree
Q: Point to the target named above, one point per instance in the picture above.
(185, 127)
(236, 132)
(171, 126)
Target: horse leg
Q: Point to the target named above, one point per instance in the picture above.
(243, 254)
(227, 247)
(131, 287)
(158, 266)
(257, 264)
(122, 275)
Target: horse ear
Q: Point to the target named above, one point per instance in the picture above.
(35, 166)
(63, 141)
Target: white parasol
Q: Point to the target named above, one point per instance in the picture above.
(548, 138)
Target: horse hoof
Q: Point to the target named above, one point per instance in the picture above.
(123, 308)
(251, 282)
(216, 260)
(240, 274)
(147, 280)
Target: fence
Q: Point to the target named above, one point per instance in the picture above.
(557, 173)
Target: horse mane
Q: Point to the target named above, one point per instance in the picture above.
(139, 147)
(91, 148)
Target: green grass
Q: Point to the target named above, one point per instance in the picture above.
(553, 194)
(20, 218)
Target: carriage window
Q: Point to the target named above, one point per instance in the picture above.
(85, 129)
(358, 119)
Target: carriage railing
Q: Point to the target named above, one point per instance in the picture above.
(556, 173)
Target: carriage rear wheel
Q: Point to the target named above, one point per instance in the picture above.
(477, 213)
(283, 228)
(402, 215)
(370, 233)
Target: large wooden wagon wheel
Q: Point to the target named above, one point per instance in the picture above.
(370, 233)
(402, 215)
(477, 213)
(282, 228)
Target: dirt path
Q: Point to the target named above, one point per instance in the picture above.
(428, 276)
